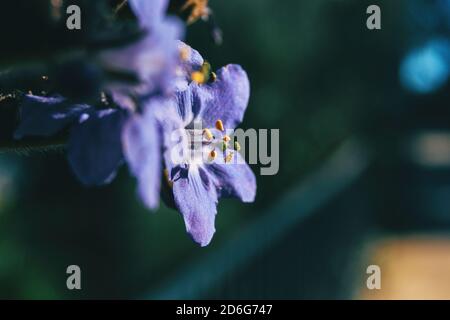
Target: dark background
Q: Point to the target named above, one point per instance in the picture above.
(330, 85)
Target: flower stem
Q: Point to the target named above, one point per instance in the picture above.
(26, 147)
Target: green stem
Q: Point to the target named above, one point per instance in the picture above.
(28, 146)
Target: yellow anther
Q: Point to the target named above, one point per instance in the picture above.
(166, 175)
(212, 155)
(219, 125)
(213, 76)
(229, 157)
(198, 77)
(226, 138)
(237, 146)
(203, 75)
(208, 135)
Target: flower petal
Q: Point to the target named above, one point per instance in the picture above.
(149, 12)
(171, 127)
(153, 58)
(184, 106)
(94, 148)
(196, 198)
(190, 61)
(234, 179)
(143, 154)
(45, 116)
(226, 98)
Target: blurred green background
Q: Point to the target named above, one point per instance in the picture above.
(322, 78)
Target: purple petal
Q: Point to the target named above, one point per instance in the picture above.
(191, 61)
(42, 116)
(184, 106)
(153, 58)
(143, 154)
(95, 149)
(234, 179)
(225, 99)
(196, 198)
(171, 126)
(149, 12)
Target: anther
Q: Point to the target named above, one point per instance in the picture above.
(219, 125)
(208, 135)
(229, 157)
(198, 77)
(237, 146)
(212, 155)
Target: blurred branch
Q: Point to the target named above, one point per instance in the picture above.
(26, 147)
(120, 6)
(101, 29)
(337, 174)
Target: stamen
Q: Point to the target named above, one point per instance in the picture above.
(212, 155)
(219, 125)
(213, 76)
(237, 146)
(203, 75)
(229, 157)
(224, 146)
(198, 77)
(207, 133)
(166, 175)
(226, 138)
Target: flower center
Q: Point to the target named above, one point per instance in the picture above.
(211, 145)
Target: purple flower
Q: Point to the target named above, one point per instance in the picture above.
(101, 139)
(142, 149)
(201, 165)
(94, 147)
(213, 167)
(154, 57)
(180, 117)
